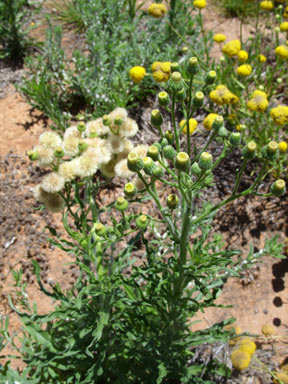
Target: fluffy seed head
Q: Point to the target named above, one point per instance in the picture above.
(45, 155)
(50, 140)
(53, 183)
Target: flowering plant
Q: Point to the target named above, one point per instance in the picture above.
(148, 260)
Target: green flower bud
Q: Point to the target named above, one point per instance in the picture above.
(193, 66)
(164, 142)
(33, 155)
(81, 127)
(99, 228)
(222, 132)
(142, 222)
(278, 188)
(163, 99)
(118, 122)
(176, 77)
(249, 151)
(235, 139)
(158, 172)
(169, 136)
(182, 161)
(134, 163)
(181, 95)
(106, 121)
(149, 165)
(270, 151)
(82, 146)
(130, 190)
(121, 204)
(184, 49)
(210, 77)
(158, 145)
(153, 152)
(218, 123)
(205, 161)
(156, 118)
(175, 67)
(172, 201)
(279, 80)
(195, 169)
(59, 153)
(169, 152)
(261, 87)
(198, 99)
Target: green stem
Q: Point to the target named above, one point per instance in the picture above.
(174, 123)
(188, 115)
(231, 198)
(154, 195)
(238, 177)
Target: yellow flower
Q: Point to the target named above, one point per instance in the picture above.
(240, 359)
(262, 58)
(285, 14)
(282, 51)
(240, 127)
(283, 146)
(279, 114)
(219, 38)
(266, 5)
(161, 71)
(268, 329)
(284, 26)
(247, 345)
(137, 74)
(232, 48)
(258, 101)
(209, 120)
(192, 125)
(242, 56)
(200, 4)
(244, 70)
(221, 95)
(157, 10)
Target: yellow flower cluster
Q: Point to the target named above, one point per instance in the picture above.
(244, 70)
(209, 120)
(282, 51)
(192, 125)
(137, 74)
(157, 10)
(280, 114)
(161, 71)
(282, 146)
(241, 356)
(232, 48)
(219, 38)
(221, 95)
(266, 5)
(200, 4)
(100, 144)
(262, 58)
(268, 329)
(284, 26)
(258, 101)
(242, 56)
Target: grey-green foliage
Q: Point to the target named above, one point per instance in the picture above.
(14, 33)
(116, 327)
(97, 79)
